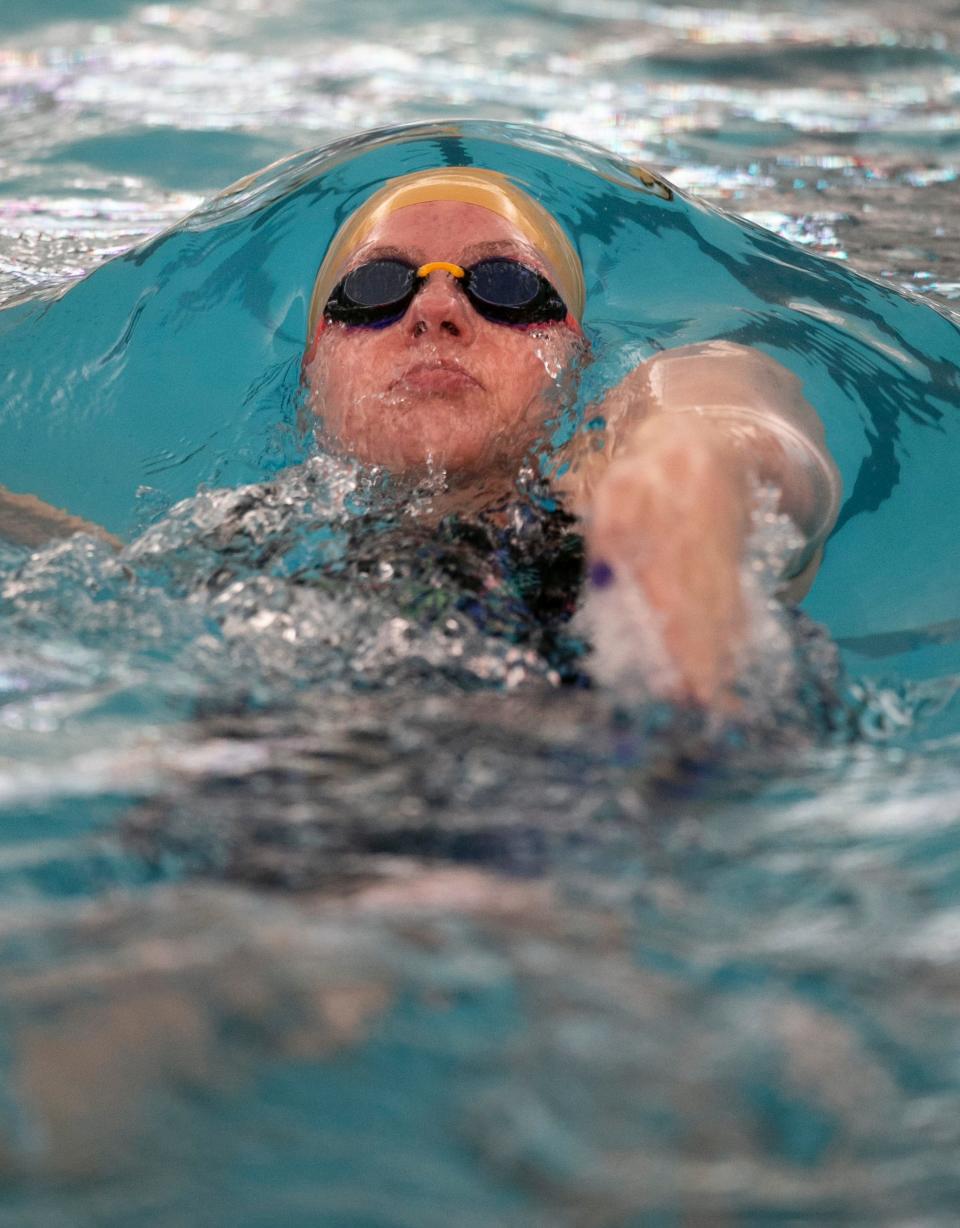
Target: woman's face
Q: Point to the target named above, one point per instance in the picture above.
(442, 387)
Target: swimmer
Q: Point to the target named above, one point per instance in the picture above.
(444, 329)
(445, 334)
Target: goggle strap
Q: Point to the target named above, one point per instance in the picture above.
(315, 341)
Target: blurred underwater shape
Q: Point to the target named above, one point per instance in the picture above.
(747, 1008)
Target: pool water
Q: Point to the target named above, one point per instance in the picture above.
(324, 902)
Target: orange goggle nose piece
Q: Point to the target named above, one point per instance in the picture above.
(453, 269)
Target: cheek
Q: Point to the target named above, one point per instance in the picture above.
(338, 375)
(536, 368)
(348, 379)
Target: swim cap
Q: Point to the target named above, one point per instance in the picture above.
(473, 186)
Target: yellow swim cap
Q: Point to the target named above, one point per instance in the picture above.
(473, 186)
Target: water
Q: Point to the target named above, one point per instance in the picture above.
(319, 909)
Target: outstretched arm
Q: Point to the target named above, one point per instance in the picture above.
(26, 520)
(667, 502)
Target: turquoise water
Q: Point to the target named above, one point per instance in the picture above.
(323, 904)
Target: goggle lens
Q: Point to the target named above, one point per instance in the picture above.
(504, 283)
(377, 284)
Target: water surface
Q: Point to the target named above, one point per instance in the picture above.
(318, 910)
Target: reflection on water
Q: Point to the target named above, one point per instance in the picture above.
(836, 113)
(325, 901)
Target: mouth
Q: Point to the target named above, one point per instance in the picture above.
(437, 378)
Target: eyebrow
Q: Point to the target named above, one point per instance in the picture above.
(382, 251)
(493, 247)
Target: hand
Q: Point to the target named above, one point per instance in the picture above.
(670, 520)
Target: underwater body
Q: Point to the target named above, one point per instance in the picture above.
(328, 902)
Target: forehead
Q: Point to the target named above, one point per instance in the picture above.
(449, 227)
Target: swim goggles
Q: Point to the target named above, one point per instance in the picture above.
(379, 292)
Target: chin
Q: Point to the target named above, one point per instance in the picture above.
(448, 438)
(458, 437)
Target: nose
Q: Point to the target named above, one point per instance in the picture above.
(440, 309)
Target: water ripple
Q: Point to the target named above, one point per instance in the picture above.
(729, 101)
